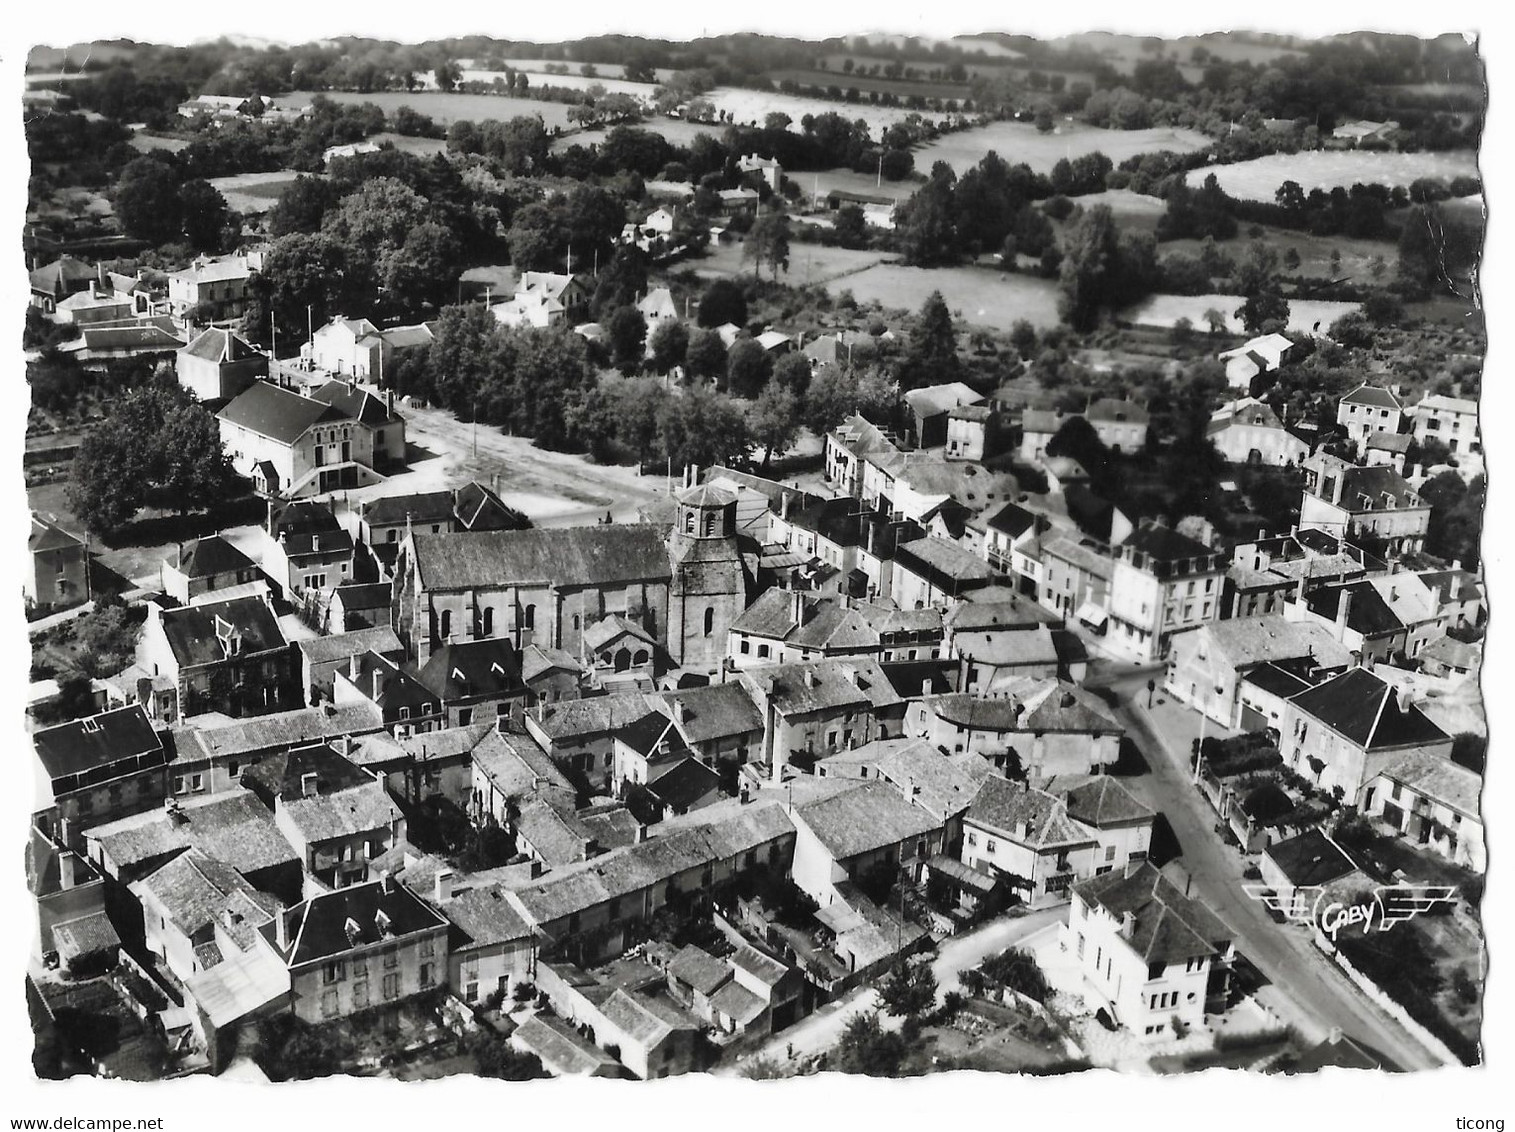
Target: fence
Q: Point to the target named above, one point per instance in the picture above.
(1380, 998)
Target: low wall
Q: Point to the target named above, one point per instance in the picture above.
(1381, 998)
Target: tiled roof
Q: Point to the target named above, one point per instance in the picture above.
(1110, 409)
(205, 557)
(573, 556)
(216, 345)
(345, 813)
(1246, 641)
(417, 507)
(517, 767)
(342, 646)
(1103, 802)
(281, 776)
(947, 559)
(869, 817)
(47, 535)
(365, 595)
(1168, 925)
(1372, 395)
(1439, 779)
(931, 400)
(917, 770)
(1024, 814)
(354, 402)
(551, 835)
(698, 969)
(566, 720)
(798, 689)
(1366, 711)
(233, 827)
(196, 891)
(717, 711)
(560, 1047)
(261, 734)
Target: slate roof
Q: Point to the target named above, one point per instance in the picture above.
(1013, 519)
(216, 345)
(317, 927)
(281, 777)
(268, 410)
(354, 402)
(47, 535)
(1025, 815)
(262, 733)
(852, 681)
(233, 827)
(684, 784)
(571, 556)
(1166, 545)
(1375, 483)
(1365, 710)
(932, 400)
(419, 507)
(202, 558)
(871, 816)
(478, 508)
(1310, 858)
(473, 668)
(1369, 614)
(1168, 926)
(1366, 394)
(365, 595)
(98, 741)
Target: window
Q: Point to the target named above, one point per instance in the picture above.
(391, 986)
(428, 974)
(234, 768)
(529, 619)
(972, 838)
(329, 1004)
(709, 622)
(1109, 852)
(1080, 945)
(333, 972)
(428, 946)
(446, 623)
(744, 646)
(990, 844)
(391, 958)
(763, 651)
(488, 620)
(360, 994)
(405, 713)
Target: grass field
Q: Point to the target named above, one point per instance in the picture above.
(978, 296)
(1018, 142)
(1325, 169)
(1314, 253)
(808, 263)
(903, 88)
(1305, 315)
(253, 192)
(749, 107)
(573, 81)
(447, 107)
(147, 142)
(846, 180)
(1131, 210)
(675, 130)
(421, 147)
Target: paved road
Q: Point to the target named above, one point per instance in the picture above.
(822, 1030)
(1307, 989)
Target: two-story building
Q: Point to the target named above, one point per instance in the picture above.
(1451, 420)
(95, 769)
(1248, 431)
(218, 364)
(213, 287)
(1369, 409)
(203, 566)
(858, 832)
(57, 572)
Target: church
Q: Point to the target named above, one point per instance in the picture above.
(684, 587)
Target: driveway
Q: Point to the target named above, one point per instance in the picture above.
(1305, 988)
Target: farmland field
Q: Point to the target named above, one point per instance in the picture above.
(903, 88)
(1131, 210)
(845, 180)
(1305, 315)
(750, 106)
(573, 81)
(1259, 179)
(421, 147)
(978, 296)
(447, 107)
(1020, 142)
(1314, 252)
(148, 142)
(253, 192)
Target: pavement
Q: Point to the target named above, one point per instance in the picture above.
(1304, 989)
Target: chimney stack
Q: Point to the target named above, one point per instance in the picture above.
(444, 885)
(1127, 924)
(281, 930)
(355, 667)
(1343, 610)
(784, 504)
(796, 607)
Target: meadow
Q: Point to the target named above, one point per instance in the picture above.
(975, 295)
(447, 107)
(253, 193)
(1019, 142)
(1259, 179)
(1306, 316)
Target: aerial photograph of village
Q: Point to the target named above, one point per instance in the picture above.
(753, 556)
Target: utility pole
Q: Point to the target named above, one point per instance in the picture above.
(879, 183)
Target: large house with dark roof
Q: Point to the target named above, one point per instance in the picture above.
(383, 523)
(56, 281)
(58, 570)
(368, 947)
(98, 768)
(1163, 583)
(1349, 501)
(205, 565)
(218, 364)
(226, 656)
(1341, 734)
(339, 437)
(475, 681)
(1161, 960)
(1369, 409)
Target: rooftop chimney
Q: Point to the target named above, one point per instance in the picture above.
(1343, 608)
(310, 784)
(796, 607)
(355, 667)
(785, 501)
(281, 930)
(811, 680)
(641, 833)
(384, 882)
(1127, 924)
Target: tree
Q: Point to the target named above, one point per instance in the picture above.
(670, 344)
(628, 335)
(622, 282)
(867, 1048)
(931, 353)
(302, 206)
(495, 1057)
(768, 242)
(706, 356)
(1291, 259)
(774, 420)
(1215, 320)
(1263, 309)
(447, 74)
(792, 371)
(723, 302)
(1090, 268)
(909, 991)
(304, 278)
(1023, 337)
(748, 368)
(204, 215)
(850, 226)
(704, 428)
(157, 448)
(925, 226)
(147, 200)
